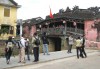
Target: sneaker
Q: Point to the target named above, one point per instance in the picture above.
(35, 61)
(70, 52)
(28, 59)
(85, 57)
(19, 62)
(7, 61)
(48, 54)
(23, 62)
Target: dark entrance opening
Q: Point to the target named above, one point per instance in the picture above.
(57, 43)
(18, 30)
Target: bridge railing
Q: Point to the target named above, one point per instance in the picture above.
(61, 31)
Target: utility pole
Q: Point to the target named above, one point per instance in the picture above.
(20, 23)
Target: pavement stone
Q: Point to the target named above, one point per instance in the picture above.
(42, 58)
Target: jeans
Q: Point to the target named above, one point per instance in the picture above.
(45, 48)
(83, 51)
(78, 50)
(27, 52)
(69, 48)
(36, 53)
(8, 54)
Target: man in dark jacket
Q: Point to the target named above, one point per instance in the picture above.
(45, 43)
(82, 48)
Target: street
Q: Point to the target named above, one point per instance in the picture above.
(91, 62)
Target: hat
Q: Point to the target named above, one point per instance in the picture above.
(27, 39)
(13, 37)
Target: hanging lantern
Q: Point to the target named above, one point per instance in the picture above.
(46, 23)
(74, 23)
(40, 26)
(64, 21)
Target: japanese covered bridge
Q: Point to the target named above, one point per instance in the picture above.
(63, 24)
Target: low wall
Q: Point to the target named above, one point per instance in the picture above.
(4, 36)
(92, 44)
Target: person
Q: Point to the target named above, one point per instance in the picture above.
(83, 54)
(13, 39)
(35, 47)
(22, 50)
(15, 44)
(27, 49)
(78, 46)
(45, 44)
(70, 43)
(8, 49)
(67, 44)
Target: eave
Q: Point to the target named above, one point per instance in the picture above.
(18, 6)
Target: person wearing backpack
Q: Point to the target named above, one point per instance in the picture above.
(8, 49)
(22, 50)
(15, 45)
(45, 44)
(36, 43)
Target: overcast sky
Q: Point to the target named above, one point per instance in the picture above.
(36, 8)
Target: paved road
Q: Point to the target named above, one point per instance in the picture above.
(91, 62)
(43, 58)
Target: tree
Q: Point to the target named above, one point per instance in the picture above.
(4, 30)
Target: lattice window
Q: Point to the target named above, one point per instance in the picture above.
(6, 12)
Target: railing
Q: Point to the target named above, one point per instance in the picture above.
(61, 31)
(75, 30)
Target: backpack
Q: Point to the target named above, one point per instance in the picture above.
(9, 44)
(37, 41)
(19, 44)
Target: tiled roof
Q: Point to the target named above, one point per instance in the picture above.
(98, 16)
(36, 20)
(9, 3)
(75, 15)
(33, 21)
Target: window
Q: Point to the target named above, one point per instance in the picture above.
(6, 12)
(11, 30)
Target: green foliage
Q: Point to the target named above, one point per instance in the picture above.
(4, 30)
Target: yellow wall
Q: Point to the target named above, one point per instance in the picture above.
(1, 13)
(13, 18)
(9, 20)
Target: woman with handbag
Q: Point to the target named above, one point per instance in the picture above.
(8, 49)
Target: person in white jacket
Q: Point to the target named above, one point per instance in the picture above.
(22, 50)
(70, 43)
